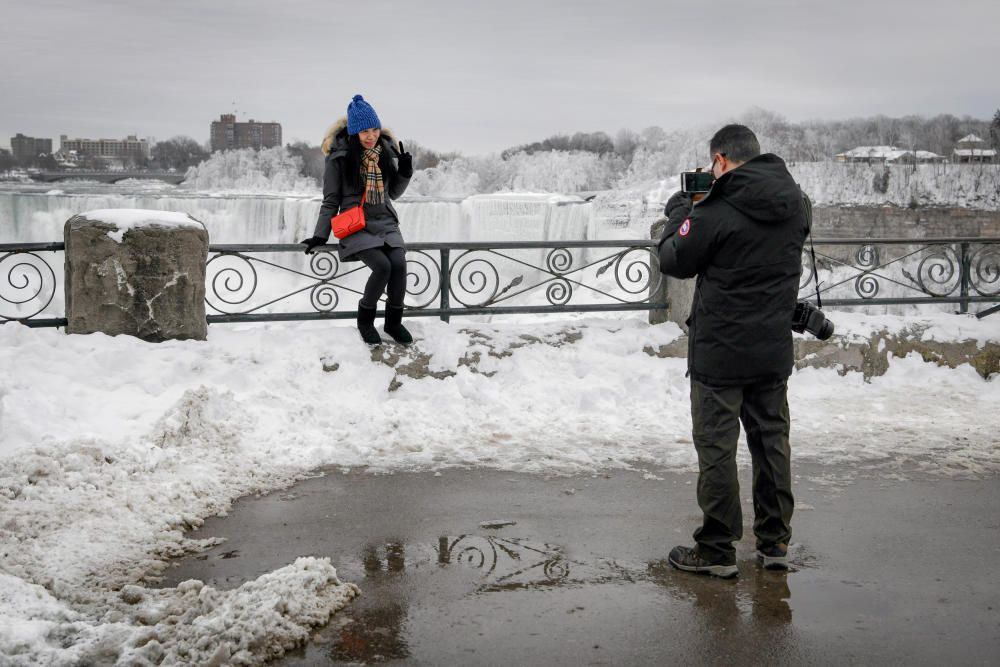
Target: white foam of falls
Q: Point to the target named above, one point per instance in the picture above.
(40, 216)
(33, 217)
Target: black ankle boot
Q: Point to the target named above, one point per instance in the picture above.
(366, 326)
(394, 325)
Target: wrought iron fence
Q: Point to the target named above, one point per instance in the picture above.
(443, 279)
(259, 283)
(898, 271)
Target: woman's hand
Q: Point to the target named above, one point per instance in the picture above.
(405, 162)
(311, 243)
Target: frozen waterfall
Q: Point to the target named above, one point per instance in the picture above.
(37, 214)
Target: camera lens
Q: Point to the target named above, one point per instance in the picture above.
(825, 330)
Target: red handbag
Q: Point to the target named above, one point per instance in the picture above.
(349, 221)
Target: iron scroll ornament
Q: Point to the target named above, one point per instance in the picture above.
(478, 276)
(234, 283)
(984, 270)
(866, 285)
(637, 272)
(559, 262)
(423, 279)
(939, 271)
(325, 296)
(28, 278)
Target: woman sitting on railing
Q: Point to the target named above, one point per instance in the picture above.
(366, 167)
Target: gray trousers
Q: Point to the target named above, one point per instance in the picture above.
(716, 413)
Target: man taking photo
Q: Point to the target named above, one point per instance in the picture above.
(744, 242)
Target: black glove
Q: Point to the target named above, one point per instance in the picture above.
(678, 199)
(311, 243)
(405, 162)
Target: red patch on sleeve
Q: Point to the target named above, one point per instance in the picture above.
(685, 227)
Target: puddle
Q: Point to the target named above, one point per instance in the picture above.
(581, 578)
(470, 579)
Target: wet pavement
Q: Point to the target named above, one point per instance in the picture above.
(476, 567)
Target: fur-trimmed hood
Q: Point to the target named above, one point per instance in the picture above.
(336, 137)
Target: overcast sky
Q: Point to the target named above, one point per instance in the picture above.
(480, 77)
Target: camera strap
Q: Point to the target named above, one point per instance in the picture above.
(807, 204)
(812, 251)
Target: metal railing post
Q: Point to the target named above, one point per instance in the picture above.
(964, 267)
(445, 282)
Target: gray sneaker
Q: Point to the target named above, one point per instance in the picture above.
(774, 557)
(689, 560)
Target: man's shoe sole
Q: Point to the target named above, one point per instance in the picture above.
(773, 562)
(721, 571)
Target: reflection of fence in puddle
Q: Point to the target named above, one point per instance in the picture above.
(513, 564)
(501, 564)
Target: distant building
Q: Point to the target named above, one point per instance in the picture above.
(888, 155)
(928, 156)
(227, 134)
(972, 148)
(29, 147)
(129, 147)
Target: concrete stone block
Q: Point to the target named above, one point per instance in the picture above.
(136, 272)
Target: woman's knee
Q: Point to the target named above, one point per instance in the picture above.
(377, 262)
(397, 260)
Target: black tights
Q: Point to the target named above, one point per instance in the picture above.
(388, 267)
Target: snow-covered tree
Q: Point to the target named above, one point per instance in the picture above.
(270, 169)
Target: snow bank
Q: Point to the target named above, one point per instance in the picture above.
(110, 448)
(84, 519)
(192, 624)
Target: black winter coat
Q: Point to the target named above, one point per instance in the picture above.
(744, 242)
(339, 196)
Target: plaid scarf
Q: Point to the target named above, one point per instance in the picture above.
(372, 175)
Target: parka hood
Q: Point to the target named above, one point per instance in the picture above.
(761, 188)
(335, 139)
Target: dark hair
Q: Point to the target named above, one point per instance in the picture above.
(353, 160)
(737, 142)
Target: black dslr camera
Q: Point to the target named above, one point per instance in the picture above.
(809, 318)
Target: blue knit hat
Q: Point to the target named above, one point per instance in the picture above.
(361, 116)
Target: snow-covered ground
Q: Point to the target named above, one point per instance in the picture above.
(110, 448)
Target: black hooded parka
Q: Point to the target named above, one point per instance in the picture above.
(744, 242)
